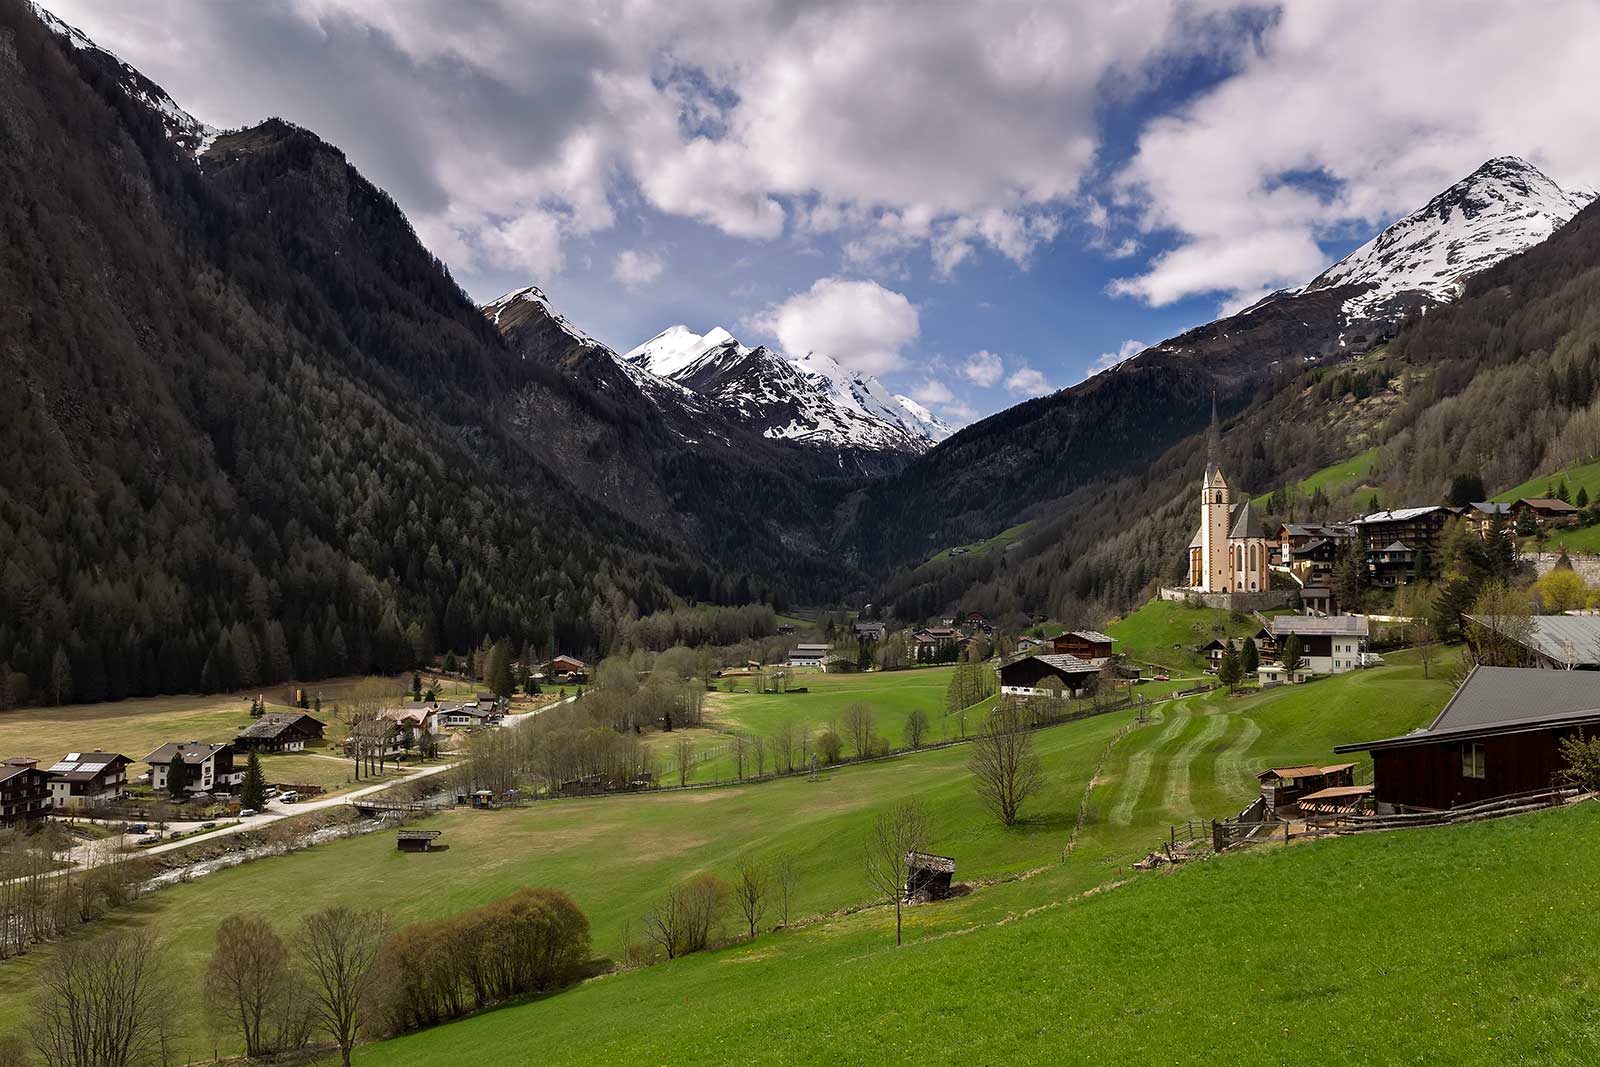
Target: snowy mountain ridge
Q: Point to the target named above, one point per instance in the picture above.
(183, 129)
(812, 398)
(1504, 207)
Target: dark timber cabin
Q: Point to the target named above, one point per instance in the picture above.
(416, 840)
(1500, 735)
(928, 876)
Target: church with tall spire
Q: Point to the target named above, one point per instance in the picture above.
(1229, 552)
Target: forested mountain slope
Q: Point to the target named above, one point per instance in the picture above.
(1502, 383)
(258, 432)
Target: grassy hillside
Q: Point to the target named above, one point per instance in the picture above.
(1167, 632)
(1459, 945)
(1347, 476)
(1195, 759)
(1586, 475)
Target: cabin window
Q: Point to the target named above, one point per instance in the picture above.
(1472, 760)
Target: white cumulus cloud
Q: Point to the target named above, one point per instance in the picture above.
(1303, 143)
(635, 267)
(1025, 381)
(860, 324)
(933, 393)
(982, 368)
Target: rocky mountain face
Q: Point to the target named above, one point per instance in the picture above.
(711, 392)
(1025, 462)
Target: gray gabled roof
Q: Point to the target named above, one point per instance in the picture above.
(1352, 625)
(1246, 523)
(1572, 640)
(1497, 700)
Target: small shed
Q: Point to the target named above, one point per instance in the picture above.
(483, 799)
(416, 840)
(928, 876)
(1283, 787)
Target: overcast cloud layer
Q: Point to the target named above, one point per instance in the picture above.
(883, 156)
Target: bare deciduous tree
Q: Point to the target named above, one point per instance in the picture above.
(683, 753)
(897, 833)
(916, 727)
(1005, 771)
(106, 1003)
(1425, 641)
(783, 880)
(338, 947)
(250, 987)
(750, 889)
(860, 723)
(684, 918)
(783, 744)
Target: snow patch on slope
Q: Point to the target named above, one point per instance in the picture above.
(183, 129)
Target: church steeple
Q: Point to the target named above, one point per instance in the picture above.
(1213, 440)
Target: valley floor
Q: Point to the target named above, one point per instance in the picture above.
(1113, 786)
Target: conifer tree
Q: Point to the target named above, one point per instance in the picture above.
(253, 790)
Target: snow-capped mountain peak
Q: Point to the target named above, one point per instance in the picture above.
(1504, 207)
(811, 397)
(528, 302)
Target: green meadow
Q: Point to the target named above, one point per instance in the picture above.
(1126, 781)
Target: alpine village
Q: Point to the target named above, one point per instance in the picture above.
(393, 675)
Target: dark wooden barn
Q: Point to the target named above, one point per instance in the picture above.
(1085, 644)
(928, 876)
(1499, 736)
(416, 840)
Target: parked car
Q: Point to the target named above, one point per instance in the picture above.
(247, 812)
(138, 828)
(208, 825)
(270, 793)
(149, 839)
(1162, 678)
(290, 797)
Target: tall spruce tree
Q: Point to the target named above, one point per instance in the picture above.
(253, 790)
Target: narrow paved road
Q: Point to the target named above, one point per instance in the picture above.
(79, 855)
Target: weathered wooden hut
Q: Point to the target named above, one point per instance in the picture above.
(928, 876)
(416, 840)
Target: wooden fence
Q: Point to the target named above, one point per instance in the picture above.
(1254, 827)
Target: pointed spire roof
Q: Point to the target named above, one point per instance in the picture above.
(1213, 440)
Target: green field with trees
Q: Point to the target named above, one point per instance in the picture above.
(1108, 787)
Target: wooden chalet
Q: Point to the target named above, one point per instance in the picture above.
(1085, 644)
(1554, 642)
(1481, 515)
(280, 731)
(1214, 649)
(88, 779)
(1027, 677)
(568, 669)
(928, 876)
(1282, 788)
(869, 629)
(1545, 511)
(1500, 735)
(24, 791)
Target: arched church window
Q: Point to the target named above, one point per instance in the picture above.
(1219, 496)
(1252, 557)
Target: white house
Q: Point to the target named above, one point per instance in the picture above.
(809, 655)
(1328, 644)
(206, 767)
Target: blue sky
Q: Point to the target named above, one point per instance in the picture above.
(977, 206)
